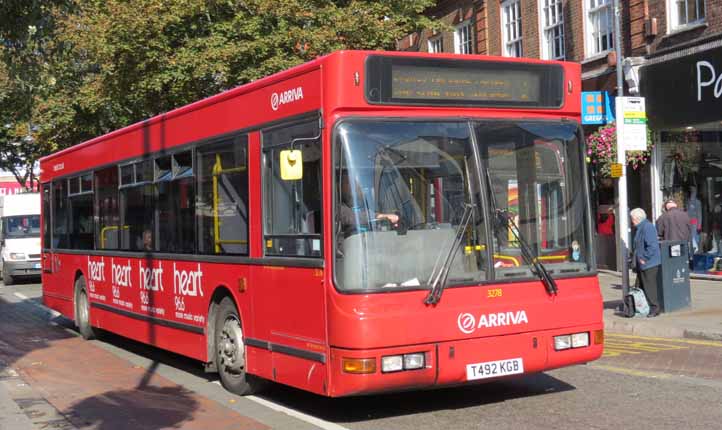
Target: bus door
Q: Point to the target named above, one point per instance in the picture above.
(290, 310)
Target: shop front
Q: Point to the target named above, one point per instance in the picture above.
(683, 94)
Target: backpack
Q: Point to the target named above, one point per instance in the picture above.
(636, 303)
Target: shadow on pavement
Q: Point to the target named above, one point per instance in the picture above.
(356, 409)
(146, 408)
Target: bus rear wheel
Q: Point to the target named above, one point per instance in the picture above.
(230, 351)
(82, 310)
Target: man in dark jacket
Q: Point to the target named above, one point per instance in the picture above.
(674, 223)
(647, 257)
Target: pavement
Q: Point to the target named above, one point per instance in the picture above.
(702, 320)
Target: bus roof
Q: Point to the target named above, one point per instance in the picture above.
(301, 74)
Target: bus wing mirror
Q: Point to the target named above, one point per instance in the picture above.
(291, 165)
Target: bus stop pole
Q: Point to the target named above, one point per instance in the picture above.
(623, 213)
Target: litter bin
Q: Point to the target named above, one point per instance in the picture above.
(673, 282)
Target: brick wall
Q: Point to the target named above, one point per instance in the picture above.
(573, 30)
(668, 40)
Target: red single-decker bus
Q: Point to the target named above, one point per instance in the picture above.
(366, 222)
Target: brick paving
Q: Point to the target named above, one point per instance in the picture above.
(84, 386)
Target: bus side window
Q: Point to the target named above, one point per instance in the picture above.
(222, 202)
(292, 208)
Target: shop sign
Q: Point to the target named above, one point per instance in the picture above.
(684, 91)
(615, 170)
(596, 108)
(631, 124)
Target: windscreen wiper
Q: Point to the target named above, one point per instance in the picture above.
(526, 250)
(440, 273)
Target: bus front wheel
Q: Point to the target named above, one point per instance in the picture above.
(82, 310)
(230, 351)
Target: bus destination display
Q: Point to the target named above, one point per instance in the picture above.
(464, 83)
(428, 83)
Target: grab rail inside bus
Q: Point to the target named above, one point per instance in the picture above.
(218, 170)
(107, 229)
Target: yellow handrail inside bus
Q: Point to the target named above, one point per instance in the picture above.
(216, 172)
(109, 228)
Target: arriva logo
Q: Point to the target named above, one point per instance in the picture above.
(468, 324)
(290, 96)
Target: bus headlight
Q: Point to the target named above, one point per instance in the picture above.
(396, 363)
(580, 340)
(392, 363)
(17, 256)
(562, 342)
(574, 340)
(414, 361)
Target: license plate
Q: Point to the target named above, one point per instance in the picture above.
(37, 266)
(492, 369)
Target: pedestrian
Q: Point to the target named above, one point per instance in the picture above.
(647, 258)
(674, 223)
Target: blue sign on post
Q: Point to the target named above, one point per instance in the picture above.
(593, 107)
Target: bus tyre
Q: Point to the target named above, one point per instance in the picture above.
(230, 351)
(7, 277)
(82, 310)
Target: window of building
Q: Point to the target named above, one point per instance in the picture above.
(685, 12)
(292, 208)
(552, 20)
(222, 205)
(511, 28)
(463, 39)
(436, 44)
(600, 26)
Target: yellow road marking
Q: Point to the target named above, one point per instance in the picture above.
(631, 372)
(615, 345)
(664, 339)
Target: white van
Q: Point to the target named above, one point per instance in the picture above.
(19, 236)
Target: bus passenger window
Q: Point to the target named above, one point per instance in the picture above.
(292, 208)
(60, 214)
(176, 206)
(80, 197)
(108, 228)
(222, 203)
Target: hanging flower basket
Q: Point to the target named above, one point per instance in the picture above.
(602, 151)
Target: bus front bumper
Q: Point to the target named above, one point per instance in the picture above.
(464, 361)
